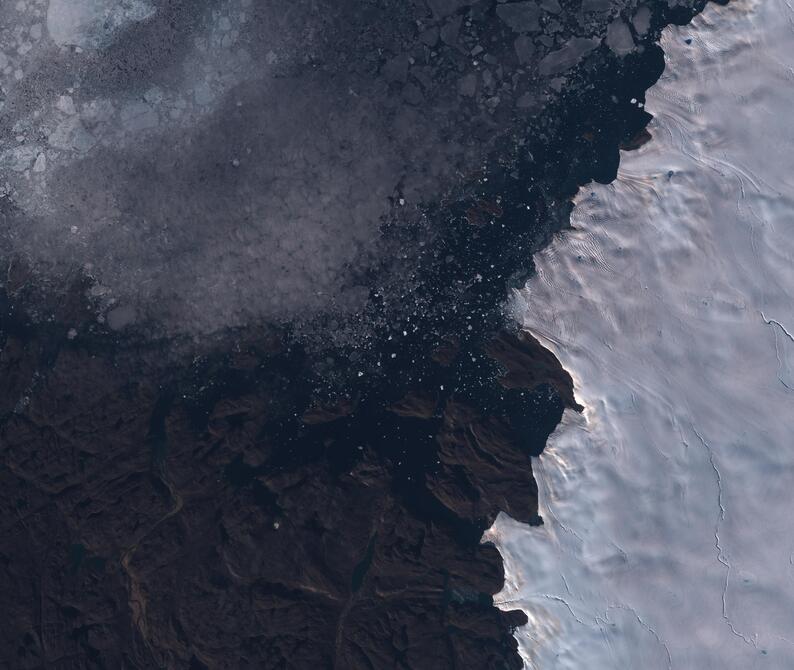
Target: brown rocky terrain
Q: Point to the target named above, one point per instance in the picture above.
(143, 529)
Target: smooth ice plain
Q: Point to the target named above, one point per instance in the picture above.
(669, 535)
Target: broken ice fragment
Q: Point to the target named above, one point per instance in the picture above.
(566, 57)
(120, 317)
(70, 134)
(19, 159)
(525, 49)
(522, 17)
(92, 24)
(137, 116)
(65, 104)
(642, 20)
(442, 8)
(619, 38)
(468, 85)
(41, 163)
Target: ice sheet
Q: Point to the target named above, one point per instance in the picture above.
(669, 535)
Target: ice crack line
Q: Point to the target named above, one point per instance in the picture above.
(564, 602)
(773, 322)
(541, 476)
(769, 322)
(546, 596)
(717, 542)
(647, 627)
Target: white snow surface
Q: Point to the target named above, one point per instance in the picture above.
(669, 526)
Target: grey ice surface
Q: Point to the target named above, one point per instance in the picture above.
(668, 540)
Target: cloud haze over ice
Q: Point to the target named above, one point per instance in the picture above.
(217, 163)
(669, 539)
(190, 157)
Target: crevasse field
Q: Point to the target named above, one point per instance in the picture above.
(669, 521)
